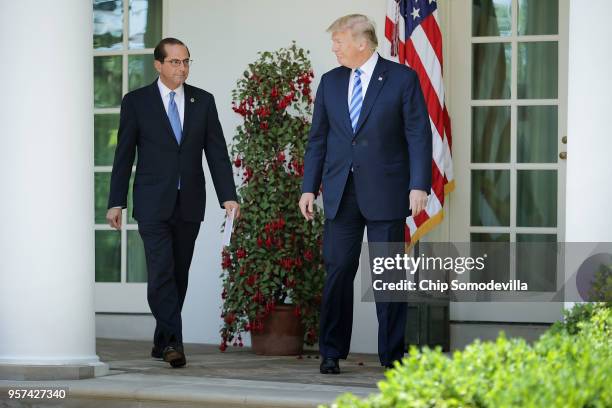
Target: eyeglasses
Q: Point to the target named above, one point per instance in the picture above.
(177, 63)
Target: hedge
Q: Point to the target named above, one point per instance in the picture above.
(569, 366)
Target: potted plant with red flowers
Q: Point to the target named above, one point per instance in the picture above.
(272, 270)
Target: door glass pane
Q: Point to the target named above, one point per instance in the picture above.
(107, 24)
(536, 198)
(105, 138)
(141, 71)
(107, 81)
(491, 71)
(538, 17)
(108, 256)
(536, 261)
(538, 70)
(102, 188)
(490, 198)
(537, 134)
(497, 265)
(491, 134)
(136, 264)
(491, 18)
(145, 23)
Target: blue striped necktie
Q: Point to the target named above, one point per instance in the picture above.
(175, 119)
(356, 100)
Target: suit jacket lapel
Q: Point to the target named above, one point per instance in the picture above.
(158, 106)
(342, 91)
(376, 83)
(189, 102)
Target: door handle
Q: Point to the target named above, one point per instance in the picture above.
(563, 155)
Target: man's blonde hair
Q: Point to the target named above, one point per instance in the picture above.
(359, 25)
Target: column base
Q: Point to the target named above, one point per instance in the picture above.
(22, 372)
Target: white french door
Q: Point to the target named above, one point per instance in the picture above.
(507, 72)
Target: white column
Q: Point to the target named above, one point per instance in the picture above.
(589, 139)
(46, 176)
(589, 145)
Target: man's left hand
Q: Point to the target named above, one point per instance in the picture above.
(229, 205)
(418, 201)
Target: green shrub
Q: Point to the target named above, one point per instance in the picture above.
(569, 366)
(581, 312)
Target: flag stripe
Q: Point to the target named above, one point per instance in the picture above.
(432, 31)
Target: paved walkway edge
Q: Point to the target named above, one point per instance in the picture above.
(216, 392)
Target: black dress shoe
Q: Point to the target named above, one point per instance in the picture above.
(390, 365)
(157, 353)
(329, 366)
(174, 356)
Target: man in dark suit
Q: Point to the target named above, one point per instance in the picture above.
(370, 147)
(169, 124)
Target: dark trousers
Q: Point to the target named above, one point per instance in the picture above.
(342, 240)
(168, 251)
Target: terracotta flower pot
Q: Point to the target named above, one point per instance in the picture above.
(282, 335)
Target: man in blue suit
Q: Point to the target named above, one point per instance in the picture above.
(370, 148)
(169, 124)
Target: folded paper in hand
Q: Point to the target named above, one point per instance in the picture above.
(229, 225)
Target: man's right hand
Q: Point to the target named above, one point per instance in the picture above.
(307, 205)
(113, 216)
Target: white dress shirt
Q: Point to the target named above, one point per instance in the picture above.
(367, 69)
(179, 98)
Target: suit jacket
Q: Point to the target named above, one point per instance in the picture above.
(144, 127)
(390, 150)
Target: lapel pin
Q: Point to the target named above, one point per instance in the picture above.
(380, 78)
(192, 100)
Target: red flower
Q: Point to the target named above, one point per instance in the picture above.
(230, 318)
(226, 262)
(312, 334)
(251, 280)
(263, 125)
(274, 92)
(263, 112)
(308, 255)
(248, 173)
(306, 91)
(280, 156)
(237, 162)
(258, 297)
(269, 242)
(286, 263)
(242, 271)
(259, 242)
(281, 223)
(223, 347)
(240, 253)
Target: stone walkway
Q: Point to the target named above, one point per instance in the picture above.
(236, 378)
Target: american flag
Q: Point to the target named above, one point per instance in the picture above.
(413, 37)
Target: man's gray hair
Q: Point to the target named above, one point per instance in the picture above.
(359, 25)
